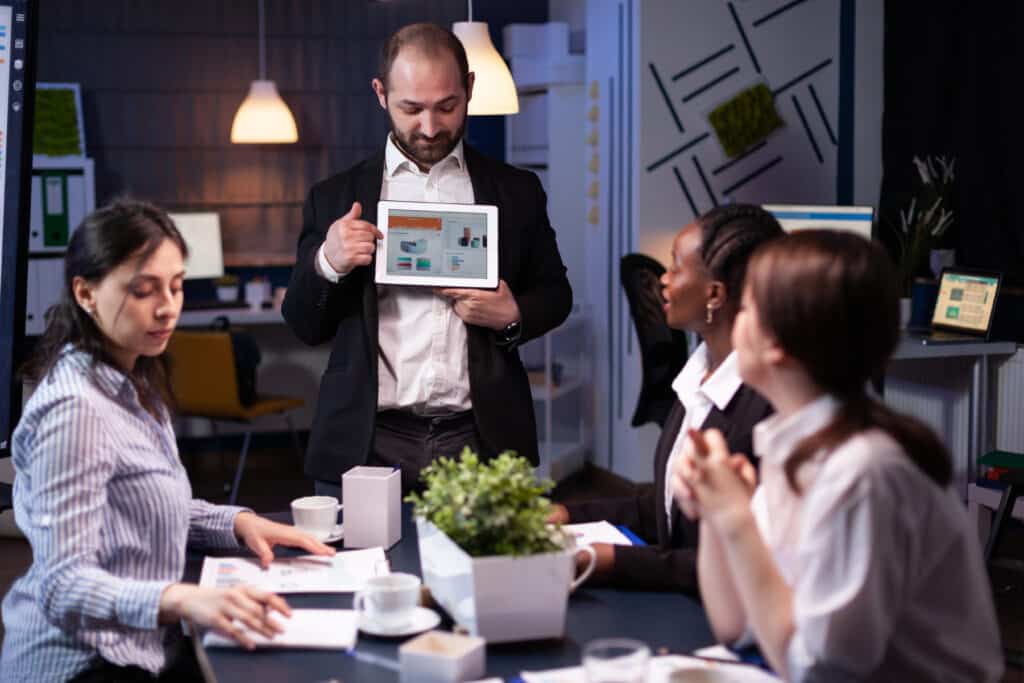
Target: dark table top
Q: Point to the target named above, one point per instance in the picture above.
(669, 621)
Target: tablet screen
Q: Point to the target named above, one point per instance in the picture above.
(437, 244)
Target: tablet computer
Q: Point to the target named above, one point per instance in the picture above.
(437, 245)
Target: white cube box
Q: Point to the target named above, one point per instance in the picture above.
(442, 657)
(373, 506)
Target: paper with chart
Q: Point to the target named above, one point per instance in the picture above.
(590, 533)
(346, 572)
(667, 669)
(329, 629)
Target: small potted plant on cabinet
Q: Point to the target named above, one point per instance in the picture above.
(487, 553)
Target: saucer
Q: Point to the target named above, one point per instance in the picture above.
(336, 534)
(423, 619)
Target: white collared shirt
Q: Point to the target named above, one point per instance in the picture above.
(887, 576)
(698, 399)
(423, 364)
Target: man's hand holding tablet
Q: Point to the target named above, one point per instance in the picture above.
(351, 241)
(495, 309)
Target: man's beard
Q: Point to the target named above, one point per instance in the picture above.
(415, 147)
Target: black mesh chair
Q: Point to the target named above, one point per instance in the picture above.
(662, 350)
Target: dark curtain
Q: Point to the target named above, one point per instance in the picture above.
(953, 76)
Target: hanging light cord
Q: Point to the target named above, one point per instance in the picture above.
(470, 9)
(263, 47)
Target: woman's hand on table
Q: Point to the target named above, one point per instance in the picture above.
(260, 535)
(225, 610)
(559, 514)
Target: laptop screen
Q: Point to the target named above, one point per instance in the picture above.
(965, 301)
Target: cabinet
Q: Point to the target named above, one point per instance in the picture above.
(559, 371)
(548, 137)
(63, 193)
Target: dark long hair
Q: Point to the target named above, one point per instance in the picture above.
(729, 235)
(831, 301)
(106, 238)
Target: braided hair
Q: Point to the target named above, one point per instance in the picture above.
(729, 235)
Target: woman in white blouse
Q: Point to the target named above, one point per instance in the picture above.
(100, 492)
(853, 559)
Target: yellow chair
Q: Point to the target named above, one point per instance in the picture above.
(204, 384)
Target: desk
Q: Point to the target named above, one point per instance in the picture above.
(979, 420)
(236, 316)
(662, 620)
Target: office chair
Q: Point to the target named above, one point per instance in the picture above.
(6, 497)
(205, 384)
(663, 350)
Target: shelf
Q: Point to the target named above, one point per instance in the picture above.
(562, 458)
(540, 391)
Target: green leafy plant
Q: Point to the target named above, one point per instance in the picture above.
(488, 508)
(56, 123)
(745, 119)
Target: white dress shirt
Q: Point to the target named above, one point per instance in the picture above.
(698, 397)
(887, 575)
(423, 364)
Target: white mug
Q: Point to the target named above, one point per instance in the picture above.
(388, 601)
(572, 552)
(316, 515)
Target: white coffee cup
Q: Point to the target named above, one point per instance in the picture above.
(388, 601)
(316, 515)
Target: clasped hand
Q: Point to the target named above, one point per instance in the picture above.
(711, 483)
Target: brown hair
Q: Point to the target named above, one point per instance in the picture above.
(830, 300)
(432, 40)
(106, 238)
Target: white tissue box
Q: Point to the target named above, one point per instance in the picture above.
(373, 506)
(442, 657)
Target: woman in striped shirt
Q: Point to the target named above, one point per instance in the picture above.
(100, 492)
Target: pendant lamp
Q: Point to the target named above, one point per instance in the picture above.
(494, 91)
(263, 116)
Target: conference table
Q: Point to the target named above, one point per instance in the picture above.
(667, 622)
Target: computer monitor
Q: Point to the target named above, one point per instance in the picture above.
(18, 33)
(202, 236)
(792, 217)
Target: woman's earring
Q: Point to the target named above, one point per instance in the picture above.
(710, 317)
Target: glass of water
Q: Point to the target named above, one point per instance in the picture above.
(615, 660)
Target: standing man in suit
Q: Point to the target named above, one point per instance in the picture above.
(416, 373)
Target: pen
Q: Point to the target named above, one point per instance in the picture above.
(375, 659)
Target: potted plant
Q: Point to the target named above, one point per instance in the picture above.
(926, 219)
(487, 553)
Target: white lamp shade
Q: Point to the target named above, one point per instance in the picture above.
(263, 117)
(494, 91)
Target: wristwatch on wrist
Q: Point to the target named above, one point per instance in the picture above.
(509, 334)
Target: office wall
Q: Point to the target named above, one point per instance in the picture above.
(661, 69)
(161, 81)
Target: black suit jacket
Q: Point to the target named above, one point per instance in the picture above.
(319, 311)
(670, 563)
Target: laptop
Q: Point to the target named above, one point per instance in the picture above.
(964, 307)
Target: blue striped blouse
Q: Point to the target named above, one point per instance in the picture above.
(102, 497)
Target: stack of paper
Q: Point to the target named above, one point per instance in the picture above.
(666, 669)
(330, 629)
(346, 572)
(596, 532)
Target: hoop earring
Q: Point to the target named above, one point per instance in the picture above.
(710, 317)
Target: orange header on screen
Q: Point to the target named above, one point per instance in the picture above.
(418, 222)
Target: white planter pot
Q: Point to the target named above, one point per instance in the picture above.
(499, 598)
